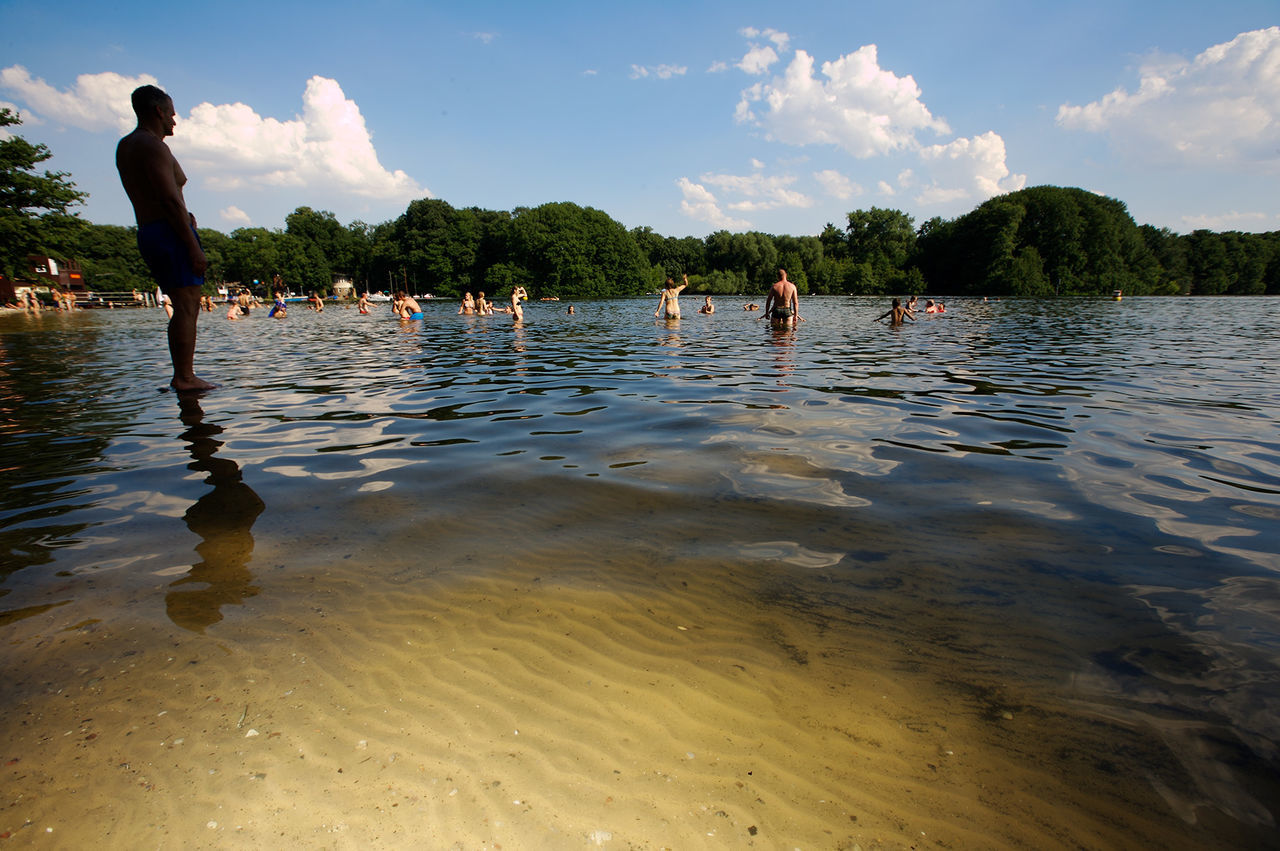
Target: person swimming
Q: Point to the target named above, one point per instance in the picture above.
(707, 306)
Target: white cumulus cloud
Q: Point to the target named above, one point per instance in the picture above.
(700, 204)
(328, 145)
(836, 184)
(779, 38)
(759, 191)
(758, 59)
(95, 102)
(233, 215)
(1220, 108)
(232, 147)
(967, 169)
(856, 105)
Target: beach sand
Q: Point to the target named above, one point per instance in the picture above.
(549, 702)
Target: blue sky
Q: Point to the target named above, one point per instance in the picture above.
(685, 117)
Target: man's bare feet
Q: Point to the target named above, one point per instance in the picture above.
(192, 385)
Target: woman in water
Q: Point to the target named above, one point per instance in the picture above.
(670, 300)
(468, 306)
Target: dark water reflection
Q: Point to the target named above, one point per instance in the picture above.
(223, 519)
(1077, 496)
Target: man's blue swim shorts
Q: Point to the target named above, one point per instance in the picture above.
(167, 257)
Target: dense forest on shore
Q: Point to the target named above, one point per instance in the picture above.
(1041, 241)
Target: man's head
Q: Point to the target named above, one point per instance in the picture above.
(150, 104)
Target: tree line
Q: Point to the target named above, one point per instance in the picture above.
(1041, 241)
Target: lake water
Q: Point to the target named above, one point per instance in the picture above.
(1004, 578)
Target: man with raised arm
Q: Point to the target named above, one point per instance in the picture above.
(167, 238)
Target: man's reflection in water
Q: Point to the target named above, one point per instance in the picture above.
(784, 344)
(222, 518)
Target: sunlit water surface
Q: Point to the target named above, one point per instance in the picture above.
(1005, 577)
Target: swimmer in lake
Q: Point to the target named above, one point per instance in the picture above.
(517, 312)
(277, 307)
(782, 305)
(896, 314)
(468, 306)
(405, 306)
(707, 306)
(670, 300)
(364, 303)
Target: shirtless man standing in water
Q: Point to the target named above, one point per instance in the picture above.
(167, 238)
(782, 306)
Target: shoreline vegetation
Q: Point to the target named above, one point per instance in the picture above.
(1043, 241)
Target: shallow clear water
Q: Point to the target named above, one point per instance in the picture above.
(1047, 530)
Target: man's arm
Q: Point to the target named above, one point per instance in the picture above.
(768, 300)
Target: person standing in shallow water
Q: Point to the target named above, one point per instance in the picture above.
(167, 237)
(782, 305)
(517, 310)
(897, 313)
(670, 300)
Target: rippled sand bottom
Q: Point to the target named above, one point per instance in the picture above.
(524, 697)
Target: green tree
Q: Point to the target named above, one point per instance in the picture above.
(1170, 253)
(252, 255)
(577, 252)
(215, 245)
(883, 241)
(329, 248)
(1084, 244)
(109, 256)
(34, 207)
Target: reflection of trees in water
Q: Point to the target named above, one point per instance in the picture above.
(52, 434)
(222, 518)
